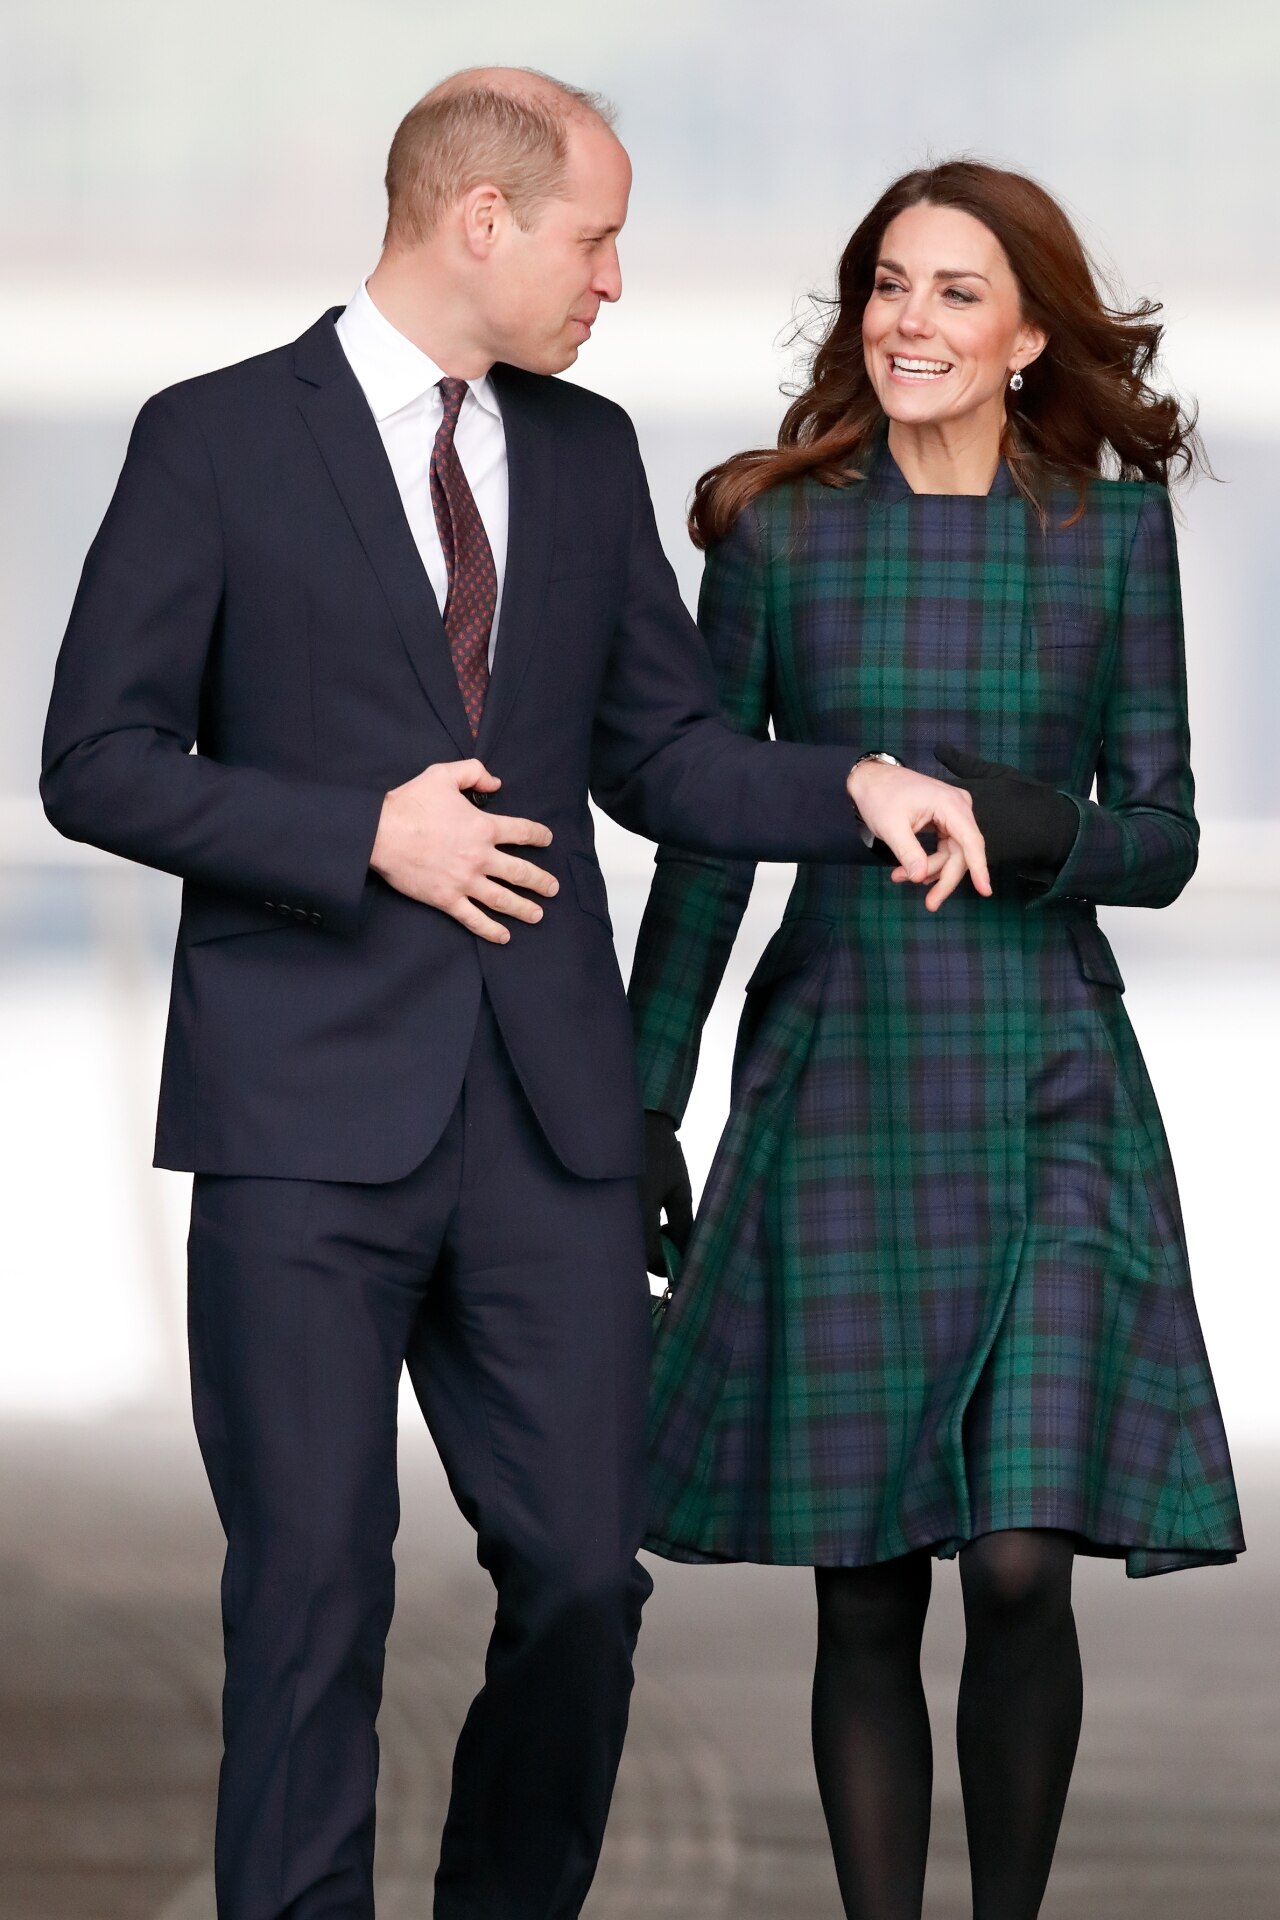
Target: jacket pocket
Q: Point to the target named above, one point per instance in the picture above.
(1093, 950)
(588, 884)
(780, 1011)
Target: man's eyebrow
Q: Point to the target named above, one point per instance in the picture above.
(597, 233)
(943, 273)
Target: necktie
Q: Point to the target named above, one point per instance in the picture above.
(473, 579)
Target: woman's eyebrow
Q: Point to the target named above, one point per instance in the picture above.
(943, 273)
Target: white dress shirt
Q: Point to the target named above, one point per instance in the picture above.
(400, 384)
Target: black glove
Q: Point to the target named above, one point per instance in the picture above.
(664, 1186)
(1026, 824)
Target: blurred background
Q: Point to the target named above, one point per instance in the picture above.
(183, 185)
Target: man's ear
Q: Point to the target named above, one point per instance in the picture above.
(484, 213)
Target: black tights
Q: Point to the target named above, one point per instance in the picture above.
(1016, 1728)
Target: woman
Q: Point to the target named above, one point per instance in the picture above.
(937, 1298)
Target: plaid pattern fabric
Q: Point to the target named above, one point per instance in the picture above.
(938, 1283)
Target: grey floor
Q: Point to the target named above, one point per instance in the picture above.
(108, 1712)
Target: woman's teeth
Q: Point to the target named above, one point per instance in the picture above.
(919, 369)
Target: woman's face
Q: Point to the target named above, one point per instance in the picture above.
(943, 328)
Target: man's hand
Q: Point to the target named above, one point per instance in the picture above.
(897, 804)
(437, 846)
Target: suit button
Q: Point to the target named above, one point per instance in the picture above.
(270, 904)
(314, 919)
(477, 798)
(299, 913)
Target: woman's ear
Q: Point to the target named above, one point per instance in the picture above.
(1029, 345)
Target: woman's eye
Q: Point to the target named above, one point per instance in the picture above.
(888, 286)
(962, 295)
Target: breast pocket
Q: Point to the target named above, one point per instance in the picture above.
(1054, 633)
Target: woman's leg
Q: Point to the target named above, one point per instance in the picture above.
(1019, 1715)
(871, 1744)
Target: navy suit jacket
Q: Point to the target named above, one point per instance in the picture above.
(255, 592)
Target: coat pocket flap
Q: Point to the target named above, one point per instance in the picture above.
(588, 884)
(1097, 962)
(793, 946)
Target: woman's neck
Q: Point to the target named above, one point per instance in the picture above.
(949, 456)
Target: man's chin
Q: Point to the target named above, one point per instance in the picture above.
(554, 360)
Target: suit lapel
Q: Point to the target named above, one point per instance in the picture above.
(337, 414)
(530, 531)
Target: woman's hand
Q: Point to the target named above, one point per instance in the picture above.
(664, 1187)
(1027, 824)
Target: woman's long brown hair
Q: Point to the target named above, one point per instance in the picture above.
(1087, 406)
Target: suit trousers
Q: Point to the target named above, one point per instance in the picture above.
(516, 1294)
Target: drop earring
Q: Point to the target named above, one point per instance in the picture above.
(1016, 382)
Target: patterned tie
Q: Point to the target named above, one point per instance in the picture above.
(473, 579)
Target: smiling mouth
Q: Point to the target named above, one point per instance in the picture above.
(909, 368)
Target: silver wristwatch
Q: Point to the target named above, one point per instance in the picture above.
(886, 759)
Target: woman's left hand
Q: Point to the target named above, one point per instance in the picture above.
(1028, 825)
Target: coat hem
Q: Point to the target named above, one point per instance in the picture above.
(1143, 1559)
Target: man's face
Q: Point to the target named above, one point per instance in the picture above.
(545, 285)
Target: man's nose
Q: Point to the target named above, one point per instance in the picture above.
(608, 279)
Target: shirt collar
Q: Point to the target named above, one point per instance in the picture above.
(392, 371)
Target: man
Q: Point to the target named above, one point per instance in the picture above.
(379, 576)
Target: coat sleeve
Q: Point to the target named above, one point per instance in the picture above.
(118, 770)
(1136, 845)
(667, 765)
(696, 903)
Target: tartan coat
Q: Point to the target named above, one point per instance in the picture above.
(938, 1283)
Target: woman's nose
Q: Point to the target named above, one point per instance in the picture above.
(915, 321)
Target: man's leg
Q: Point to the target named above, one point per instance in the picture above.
(530, 1359)
(302, 1297)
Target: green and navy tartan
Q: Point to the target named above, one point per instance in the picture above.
(938, 1283)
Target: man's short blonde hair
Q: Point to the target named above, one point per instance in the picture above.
(469, 130)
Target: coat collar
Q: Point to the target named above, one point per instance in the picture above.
(338, 416)
(886, 483)
(531, 524)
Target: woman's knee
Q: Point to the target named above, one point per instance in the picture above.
(1015, 1574)
(863, 1609)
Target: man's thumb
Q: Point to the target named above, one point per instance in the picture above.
(474, 773)
(908, 852)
